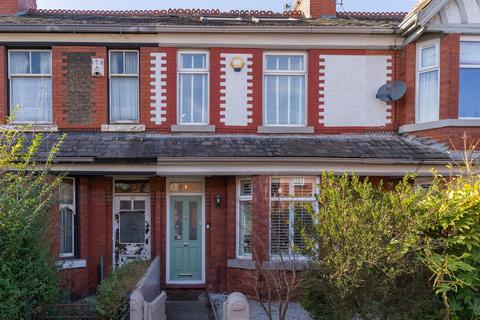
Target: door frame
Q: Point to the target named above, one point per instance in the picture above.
(168, 215)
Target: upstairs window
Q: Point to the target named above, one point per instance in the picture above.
(30, 75)
(124, 87)
(469, 99)
(67, 217)
(291, 202)
(284, 89)
(428, 79)
(244, 218)
(193, 88)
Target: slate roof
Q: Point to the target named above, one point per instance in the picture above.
(148, 147)
(58, 18)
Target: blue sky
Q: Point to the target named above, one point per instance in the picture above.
(276, 5)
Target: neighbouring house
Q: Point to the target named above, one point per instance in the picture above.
(197, 135)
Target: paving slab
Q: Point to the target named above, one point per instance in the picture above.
(188, 310)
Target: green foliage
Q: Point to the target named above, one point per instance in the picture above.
(359, 266)
(111, 301)
(28, 279)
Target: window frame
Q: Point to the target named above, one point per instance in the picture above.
(72, 207)
(239, 200)
(466, 66)
(123, 75)
(303, 73)
(420, 70)
(291, 201)
(205, 71)
(29, 75)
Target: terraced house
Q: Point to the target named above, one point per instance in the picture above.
(194, 135)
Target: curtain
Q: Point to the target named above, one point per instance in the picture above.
(285, 100)
(193, 98)
(32, 99)
(428, 101)
(19, 62)
(131, 63)
(124, 99)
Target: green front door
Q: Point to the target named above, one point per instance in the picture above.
(186, 238)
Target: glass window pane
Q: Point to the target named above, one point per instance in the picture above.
(66, 231)
(285, 63)
(131, 63)
(178, 217)
(469, 93)
(246, 188)
(66, 192)
(131, 186)
(429, 57)
(139, 205)
(285, 100)
(303, 221)
(125, 205)
(470, 53)
(280, 187)
(193, 98)
(193, 220)
(132, 227)
(31, 99)
(303, 187)
(124, 99)
(428, 100)
(193, 61)
(19, 62)
(186, 187)
(41, 62)
(279, 229)
(245, 228)
(116, 63)
(271, 99)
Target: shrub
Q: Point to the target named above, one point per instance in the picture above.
(111, 301)
(28, 279)
(358, 268)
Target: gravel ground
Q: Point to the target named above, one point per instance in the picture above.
(295, 310)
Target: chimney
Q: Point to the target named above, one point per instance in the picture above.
(317, 8)
(17, 6)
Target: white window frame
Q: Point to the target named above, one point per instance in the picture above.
(291, 200)
(467, 66)
(242, 198)
(267, 72)
(205, 71)
(420, 70)
(123, 75)
(73, 208)
(29, 75)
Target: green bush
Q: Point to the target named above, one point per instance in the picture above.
(28, 276)
(111, 301)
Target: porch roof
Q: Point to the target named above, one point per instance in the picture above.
(154, 147)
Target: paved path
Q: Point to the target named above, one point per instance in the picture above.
(188, 310)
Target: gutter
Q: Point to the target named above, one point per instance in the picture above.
(152, 29)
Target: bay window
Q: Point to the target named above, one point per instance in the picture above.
(284, 89)
(67, 217)
(291, 203)
(244, 218)
(193, 88)
(428, 79)
(469, 95)
(124, 87)
(30, 76)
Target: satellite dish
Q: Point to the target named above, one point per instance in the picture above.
(392, 91)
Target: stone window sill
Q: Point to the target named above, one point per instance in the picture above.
(30, 127)
(270, 265)
(123, 128)
(192, 128)
(285, 130)
(72, 264)
(439, 124)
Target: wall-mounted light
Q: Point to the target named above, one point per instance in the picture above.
(218, 200)
(237, 64)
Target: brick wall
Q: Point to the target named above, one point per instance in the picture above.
(80, 101)
(449, 75)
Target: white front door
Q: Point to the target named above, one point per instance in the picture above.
(131, 229)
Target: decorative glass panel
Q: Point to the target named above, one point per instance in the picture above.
(186, 187)
(429, 57)
(178, 223)
(245, 228)
(131, 186)
(132, 226)
(470, 53)
(66, 231)
(469, 104)
(193, 220)
(279, 228)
